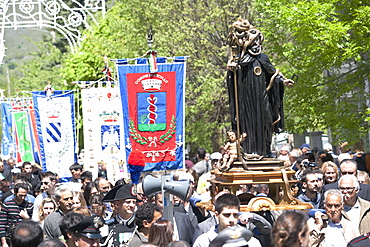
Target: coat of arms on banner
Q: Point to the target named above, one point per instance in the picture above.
(152, 120)
(110, 138)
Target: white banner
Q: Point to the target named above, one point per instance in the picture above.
(55, 124)
(103, 132)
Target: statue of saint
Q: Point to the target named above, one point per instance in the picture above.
(259, 87)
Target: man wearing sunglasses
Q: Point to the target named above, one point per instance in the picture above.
(14, 211)
(48, 184)
(332, 229)
(356, 210)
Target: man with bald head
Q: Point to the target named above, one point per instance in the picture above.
(356, 210)
(349, 167)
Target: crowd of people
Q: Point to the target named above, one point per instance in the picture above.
(39, 209)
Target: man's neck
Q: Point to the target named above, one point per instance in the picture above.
(336, 220)
(352, 202)
(311, 194)
(124, 216)
(70, 242)
(64, 211)
(220, 229)
(144, 231)
(50, 192)
(19, 202)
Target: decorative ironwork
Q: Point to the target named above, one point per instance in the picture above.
(66, 17)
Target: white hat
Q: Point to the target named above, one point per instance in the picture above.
(285, 148)
(328, 147)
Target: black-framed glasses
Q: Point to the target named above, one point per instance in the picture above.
(329, 205)
(347, 173)
(348, 189)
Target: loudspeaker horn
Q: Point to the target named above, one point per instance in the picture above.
(178, 188)
(151, 185)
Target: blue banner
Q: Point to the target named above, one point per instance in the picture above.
(153, 111)
(7, 146)
(55, 118)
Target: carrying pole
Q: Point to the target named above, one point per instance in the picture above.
(238, 141)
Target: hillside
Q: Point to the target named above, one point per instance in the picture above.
(20, 45)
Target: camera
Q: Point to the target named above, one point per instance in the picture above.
(308, 164)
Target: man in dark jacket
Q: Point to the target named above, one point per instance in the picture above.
(122, 225)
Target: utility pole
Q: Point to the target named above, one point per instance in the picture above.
(8, 79)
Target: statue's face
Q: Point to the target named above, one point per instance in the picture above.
(247, 36)
(255, 39)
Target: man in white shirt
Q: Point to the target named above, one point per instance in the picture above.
(337, 230)
(356, 209)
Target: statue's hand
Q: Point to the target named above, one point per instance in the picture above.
(288, 82)
(231, 65)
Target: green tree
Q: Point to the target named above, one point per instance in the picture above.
(327, 44)
(44, 67)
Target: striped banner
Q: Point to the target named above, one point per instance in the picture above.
(103, 126)
(55, 119)
(34, 136)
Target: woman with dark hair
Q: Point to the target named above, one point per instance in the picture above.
(90, 190)
(161, 233)
(324, 157)
(97, 206)
(290, 230)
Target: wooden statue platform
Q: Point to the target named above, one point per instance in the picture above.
(266, 171)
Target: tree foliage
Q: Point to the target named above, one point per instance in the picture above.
(327, 44)
(44, 67)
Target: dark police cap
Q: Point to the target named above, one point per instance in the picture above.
(121, 192)
(233, 236)
(89, 227)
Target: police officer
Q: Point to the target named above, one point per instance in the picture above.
(122, 225)
(86, 233)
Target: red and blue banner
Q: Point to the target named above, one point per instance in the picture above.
(153, 110)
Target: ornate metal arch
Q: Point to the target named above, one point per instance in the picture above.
(67, 17)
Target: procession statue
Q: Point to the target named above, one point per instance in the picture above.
(255, 90)
(230, 150)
